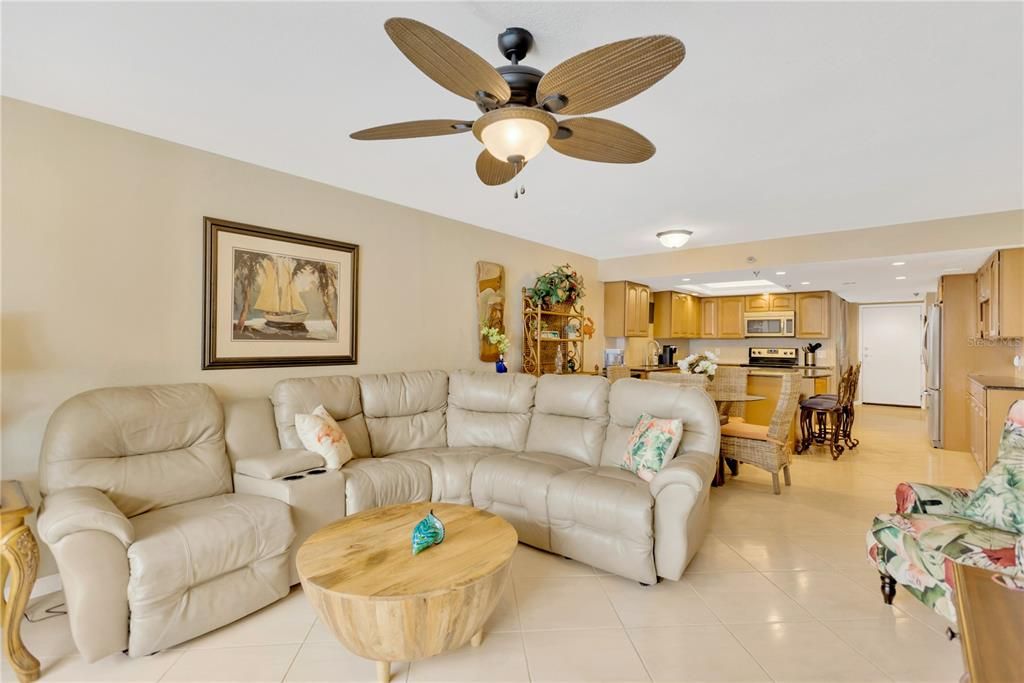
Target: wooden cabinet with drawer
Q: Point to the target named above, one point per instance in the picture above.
(626, 309)
(986, 415)
(676, 315)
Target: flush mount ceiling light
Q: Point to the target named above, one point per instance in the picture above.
(901, 277)
(780, 272)
(673, 239)
(517, 101)
(805, 283)
(899, 263)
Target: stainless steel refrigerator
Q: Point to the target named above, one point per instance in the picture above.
(933, 372)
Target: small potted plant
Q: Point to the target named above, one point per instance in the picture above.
(500, 340)
(557, 290)
(699, 364)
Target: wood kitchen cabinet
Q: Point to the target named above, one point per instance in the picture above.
(730, 318)
(676, 315)
(998, 283)
(986, 416)
(626, 309)
(765, 303)
(812, 315)
(709, 318)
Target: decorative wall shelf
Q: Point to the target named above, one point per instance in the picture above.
(538, 352)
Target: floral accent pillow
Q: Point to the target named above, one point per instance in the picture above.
(651, 445)
(999, 499)
(320, 434)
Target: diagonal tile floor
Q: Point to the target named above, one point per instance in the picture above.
(780, 591)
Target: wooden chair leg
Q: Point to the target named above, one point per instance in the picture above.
(888, 588)
(850, 441)
(835, 447)
(785, 476)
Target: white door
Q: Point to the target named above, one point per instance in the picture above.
(890, 349)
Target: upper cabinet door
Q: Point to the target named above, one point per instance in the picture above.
(757, 303)
(632, 304)
(692, 316)
(783, 302)
(643, 312)
(812, 319)
(730, 317)
(709, 318)
(678, 314)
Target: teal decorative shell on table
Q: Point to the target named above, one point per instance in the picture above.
(427, 532)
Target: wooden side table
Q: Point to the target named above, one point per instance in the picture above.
(991, 619)
(19, 559)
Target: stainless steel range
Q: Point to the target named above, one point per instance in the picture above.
(766, 357)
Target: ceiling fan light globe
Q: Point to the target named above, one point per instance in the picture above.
(673, 239)
(515, 137)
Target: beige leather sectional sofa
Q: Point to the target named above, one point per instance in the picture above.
(171, 515)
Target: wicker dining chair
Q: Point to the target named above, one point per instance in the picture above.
(733, 380)
(617, 372)
(767, 447)
(684, 378)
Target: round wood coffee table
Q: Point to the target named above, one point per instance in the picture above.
(384, 603)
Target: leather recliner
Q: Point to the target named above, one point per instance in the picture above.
(152, 545)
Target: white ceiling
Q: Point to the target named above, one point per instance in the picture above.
(784, 119)
(871, 280)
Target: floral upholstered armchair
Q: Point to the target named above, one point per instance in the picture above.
(934, 526)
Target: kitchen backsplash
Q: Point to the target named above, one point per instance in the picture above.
(736, 350)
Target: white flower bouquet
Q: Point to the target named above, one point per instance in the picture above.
(699, 364)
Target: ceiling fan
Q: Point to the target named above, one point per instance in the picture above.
(518, 102)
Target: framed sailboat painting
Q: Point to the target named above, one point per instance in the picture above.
(276, 298)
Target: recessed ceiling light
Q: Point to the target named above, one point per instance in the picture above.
(901, 277)
(850, 283)
(686, 279)
(780, 272)
(899, 263)
(805, 283)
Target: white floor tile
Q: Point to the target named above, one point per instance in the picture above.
(332, 663)
(232, 664)
(904, 649)
(499, 659)
(827, 594)
(533, 563)
(668, 603)
(804, 652)
(746, 597)
(583, 656)
(565, 603)
(774, 553)
(687, 654)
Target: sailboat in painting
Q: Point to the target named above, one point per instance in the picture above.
(279, 299)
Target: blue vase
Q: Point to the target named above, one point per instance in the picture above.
(499, 365)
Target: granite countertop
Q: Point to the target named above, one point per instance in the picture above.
(653, 368)
(996, 382)
(791, 367)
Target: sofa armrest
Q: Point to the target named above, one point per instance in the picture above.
(693, 469)
(278, 464)
(81, 508)
(931, 500)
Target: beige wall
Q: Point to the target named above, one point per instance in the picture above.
(948, 234)
(102, 268)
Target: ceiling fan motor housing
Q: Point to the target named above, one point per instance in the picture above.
(522, 81)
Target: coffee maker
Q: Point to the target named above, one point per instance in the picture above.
(668, 355)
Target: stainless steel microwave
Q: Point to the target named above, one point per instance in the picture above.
(777, 324)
